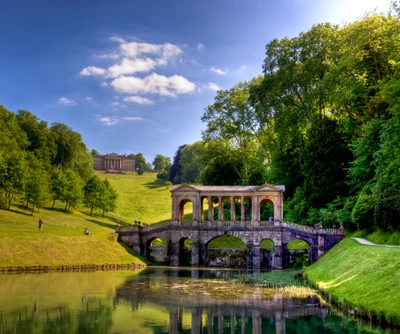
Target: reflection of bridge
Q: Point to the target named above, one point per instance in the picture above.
(249, 306)
(247, 226)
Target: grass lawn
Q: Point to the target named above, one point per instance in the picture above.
(365, 276)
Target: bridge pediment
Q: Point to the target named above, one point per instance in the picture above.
(268, 188)
(183, 188)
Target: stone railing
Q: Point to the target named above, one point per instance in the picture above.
(252, 224)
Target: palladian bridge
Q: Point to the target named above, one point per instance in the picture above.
(237, 211)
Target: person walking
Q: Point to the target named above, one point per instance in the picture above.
(41, 222)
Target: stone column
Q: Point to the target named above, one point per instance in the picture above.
(220, 324)
(233, 209)
(256, 209)
(242, 213)
(233, 324)
(195, 253)
(201, 209)
(210, 209)
(278, 264)
(285, 256)
(202, 254)
(173, 253)
(321, 246)
(220, 209)
(253, 256)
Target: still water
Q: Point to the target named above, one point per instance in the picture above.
(158, 300)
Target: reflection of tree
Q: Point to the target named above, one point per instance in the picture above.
(92, 318)
(95, 319)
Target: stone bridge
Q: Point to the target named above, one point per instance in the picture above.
(248, 226)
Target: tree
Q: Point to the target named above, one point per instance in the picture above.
(72, 190)
(140, 161)
(36, 187)
(94, 152)
(108, 198)
(192, 162)
(71, 151)
(175, 175)
(92, 193)
(161, 163)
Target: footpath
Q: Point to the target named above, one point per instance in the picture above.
(369, 243)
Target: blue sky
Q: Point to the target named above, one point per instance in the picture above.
(135, 76)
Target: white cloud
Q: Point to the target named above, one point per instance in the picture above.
(66, 102)
(113, 120)
(109, 120)
(117, 39)
(108, 56)
(242, 68)
(200, 46)
(129, 66)
(88, 98)
(138, 99)
(104, 84)
(114, 104)
(132, 118)
(92, 70)
(218, 71)
(154, 84)
(137, 57)
(213, 86)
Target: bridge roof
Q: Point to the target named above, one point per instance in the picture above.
(265, 187)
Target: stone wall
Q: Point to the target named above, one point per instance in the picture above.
(157, 255)
(226, 258)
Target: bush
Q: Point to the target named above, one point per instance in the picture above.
(140, 171)
(162, 175)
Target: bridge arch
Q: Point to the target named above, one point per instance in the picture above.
(226, 251)
(184, 202)
(299, 252)
(185, 251)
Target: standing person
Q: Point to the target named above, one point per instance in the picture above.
(41, 222)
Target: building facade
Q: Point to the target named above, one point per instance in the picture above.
(113, 162)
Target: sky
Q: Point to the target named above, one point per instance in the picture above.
(135, 76)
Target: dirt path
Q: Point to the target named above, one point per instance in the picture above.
(369, 243)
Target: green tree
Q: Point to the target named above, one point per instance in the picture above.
(108, 198)
(161, 163)
(92, 193)
(72, 190)
(36, 186)
(140, 161)
(175, 174)
(192, 162)
(94, 152)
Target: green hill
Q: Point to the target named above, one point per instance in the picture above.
(141, 197)
(366, 276)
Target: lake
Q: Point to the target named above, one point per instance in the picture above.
(159, 300)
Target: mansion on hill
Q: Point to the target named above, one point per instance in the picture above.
(113, 162)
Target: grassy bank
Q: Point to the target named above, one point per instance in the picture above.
(362, 276)
(378, 237)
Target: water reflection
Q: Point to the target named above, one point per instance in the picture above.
(158, 300)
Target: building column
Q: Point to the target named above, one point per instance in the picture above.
(256, 322)
(242, 209)
(220, 209)
(195, 253)
(173, 321)
(201, 209)
(256, 209)
(232, 209)
(210, 209)
(253, 256)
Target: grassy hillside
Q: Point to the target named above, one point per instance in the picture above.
(141, 197)
(366, 276)
(63, 242)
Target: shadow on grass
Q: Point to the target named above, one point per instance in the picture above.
(130, 251)
(100, 223)
(155, 184)
(20, 212)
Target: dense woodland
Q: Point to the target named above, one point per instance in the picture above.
(40, 165)
(323, 120)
